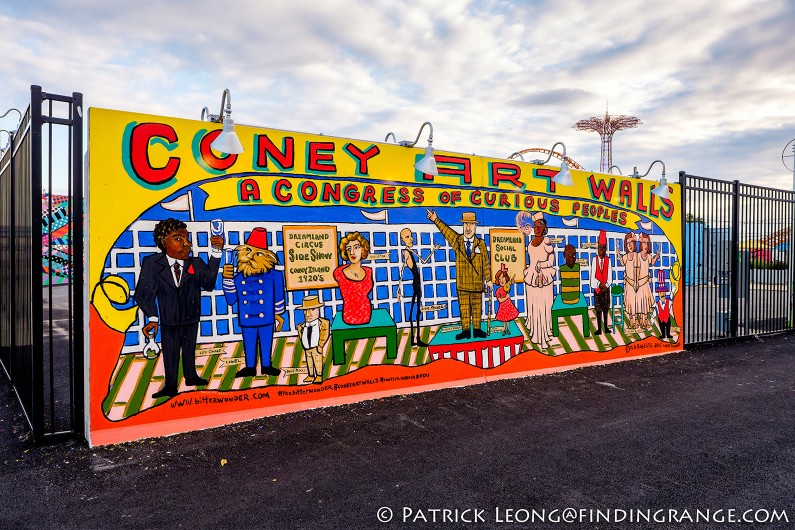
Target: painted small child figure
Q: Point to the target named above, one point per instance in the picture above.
(313, 333)
(507, 311)
(665, 311)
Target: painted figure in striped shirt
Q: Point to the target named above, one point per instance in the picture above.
(570, 288)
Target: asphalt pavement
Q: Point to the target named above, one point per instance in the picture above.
(687, 440)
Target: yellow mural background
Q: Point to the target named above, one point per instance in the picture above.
(116, 199)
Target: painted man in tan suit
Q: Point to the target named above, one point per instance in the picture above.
(472, 270)
(313, 333)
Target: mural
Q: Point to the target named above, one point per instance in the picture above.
(311, 270)
(56, 249)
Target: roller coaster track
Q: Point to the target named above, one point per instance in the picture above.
(546, 153)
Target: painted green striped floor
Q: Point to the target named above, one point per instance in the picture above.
(220, 368)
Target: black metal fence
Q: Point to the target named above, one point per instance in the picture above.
(738, 266)
(41, 316)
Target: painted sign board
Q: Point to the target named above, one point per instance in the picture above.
(310, 271)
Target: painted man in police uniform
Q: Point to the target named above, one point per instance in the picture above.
(258, 291)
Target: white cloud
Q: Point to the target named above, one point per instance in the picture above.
(711, 82)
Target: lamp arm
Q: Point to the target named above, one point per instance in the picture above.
(551, 151)
(227, 97)
(205, 113)
(517, 153)
(614, 166)
(430, 137)
(392, 135)
(16, 110)
(652, 165)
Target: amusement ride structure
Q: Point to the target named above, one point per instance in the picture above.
(607, 126)
(546, 153)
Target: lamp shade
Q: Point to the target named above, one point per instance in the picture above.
(227, 141)
(563, 178)
(427, 164)
(662, 190)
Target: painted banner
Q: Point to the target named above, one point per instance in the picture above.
(310, 270)
(310, 255)
(507, 251)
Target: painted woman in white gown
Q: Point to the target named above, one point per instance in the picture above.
(631, 277)
(538, 277)
(645, 300)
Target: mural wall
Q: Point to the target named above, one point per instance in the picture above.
(310, 271)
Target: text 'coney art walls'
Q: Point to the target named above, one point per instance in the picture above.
(310, 271)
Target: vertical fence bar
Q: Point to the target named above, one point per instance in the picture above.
(733, 255)
(35, 260)
(76, 268)
(7, 266)
(683, 324)
(791, 253)
(50, 425)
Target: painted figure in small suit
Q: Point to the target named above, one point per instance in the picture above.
(313, 333)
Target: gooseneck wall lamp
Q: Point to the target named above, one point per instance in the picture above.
(426, 164)
(618, 168)
(661, 190)
(227, 141)
(563, 177)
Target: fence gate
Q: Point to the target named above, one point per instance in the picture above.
(41, 264)
(738, 266)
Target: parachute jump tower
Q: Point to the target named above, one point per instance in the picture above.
(606, 127)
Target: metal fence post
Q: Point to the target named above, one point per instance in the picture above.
(77, 265)
(733, 260)
(682, 265)
(36, 258)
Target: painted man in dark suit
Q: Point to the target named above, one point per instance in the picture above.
(472, 271)
(169, 294)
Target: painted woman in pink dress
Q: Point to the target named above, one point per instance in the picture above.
(507, 311)
(354, 280)
(538, 276)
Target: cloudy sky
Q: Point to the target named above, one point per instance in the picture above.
(712, 82)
